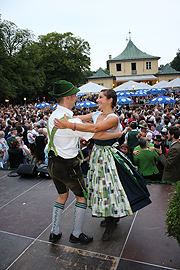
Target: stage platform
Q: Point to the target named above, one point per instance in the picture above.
(138, 243)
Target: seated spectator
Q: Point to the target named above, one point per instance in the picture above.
(146, 160)
(31, 134)
(14, 154)
(26, 150)
(2, 152)
(45, 151)
(40, 145)
(4, 147)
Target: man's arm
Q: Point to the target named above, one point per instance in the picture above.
(169, 160)
(86, 117)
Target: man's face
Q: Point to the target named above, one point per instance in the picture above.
(169, 137)
(153, 128)
(72, 100)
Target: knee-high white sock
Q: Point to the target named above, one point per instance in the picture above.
(79, 214)
(56, 216)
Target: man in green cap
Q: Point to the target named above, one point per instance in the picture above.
(64, 166)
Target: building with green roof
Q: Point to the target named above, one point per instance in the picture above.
(167, 73)
(102, 78)
(133, 64)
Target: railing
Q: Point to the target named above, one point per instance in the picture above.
(134, 71)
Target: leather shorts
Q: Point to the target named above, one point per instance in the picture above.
(66, 174)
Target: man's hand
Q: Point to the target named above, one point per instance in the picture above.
(151, 148)
(159, 150)
(62, 124)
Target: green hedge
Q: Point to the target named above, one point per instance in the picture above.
(173, 214)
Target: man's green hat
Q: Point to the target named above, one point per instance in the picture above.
(63, 88)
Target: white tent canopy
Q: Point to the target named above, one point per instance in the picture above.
(130, 86)
(174, 83)
(144, 86)
(91, 88)
(161, 84)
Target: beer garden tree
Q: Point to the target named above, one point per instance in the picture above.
(29, 66)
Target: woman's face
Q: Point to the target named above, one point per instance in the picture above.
(102, 101)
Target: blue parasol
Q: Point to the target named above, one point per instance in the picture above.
(80, 95)
(162, 100)
(54, 106)
(124, 100)
(124, 94)
(142, 92)
(157, 91)
(86, 104)
(43, 105)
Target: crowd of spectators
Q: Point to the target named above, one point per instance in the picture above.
(23, 133)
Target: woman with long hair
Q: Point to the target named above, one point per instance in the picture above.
(113, 189)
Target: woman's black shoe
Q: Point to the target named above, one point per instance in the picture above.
(110, 227)
(103, 222)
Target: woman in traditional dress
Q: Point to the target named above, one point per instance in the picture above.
(115, 188)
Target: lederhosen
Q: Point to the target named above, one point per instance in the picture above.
(66, 173)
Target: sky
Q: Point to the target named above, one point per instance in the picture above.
(105, 24)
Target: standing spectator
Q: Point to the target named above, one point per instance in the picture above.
(158, 124)
(132, 140)
(154, 131)
(146, 160)
(171, 160)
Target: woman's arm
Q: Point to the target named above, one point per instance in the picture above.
(110, 123)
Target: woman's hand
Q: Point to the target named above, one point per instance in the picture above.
(62, 124)
(136, 152)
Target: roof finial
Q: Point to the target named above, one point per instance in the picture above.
(129, 35)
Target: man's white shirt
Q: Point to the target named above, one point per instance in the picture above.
(66, 141)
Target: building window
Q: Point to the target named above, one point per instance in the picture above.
(118, 67)
(148, 65)
(133, 68)
(101, 84)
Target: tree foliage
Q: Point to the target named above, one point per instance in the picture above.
(29, 67)
(15, 38)
(64, 57)
(176, 61)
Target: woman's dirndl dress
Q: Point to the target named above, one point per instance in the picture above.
(115, 188)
